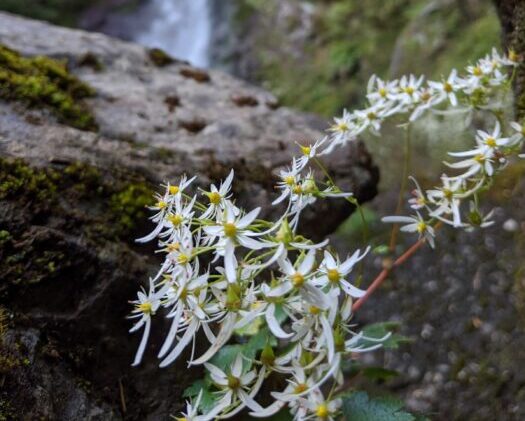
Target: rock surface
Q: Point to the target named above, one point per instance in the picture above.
(72, 201)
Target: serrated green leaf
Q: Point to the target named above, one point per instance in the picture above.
(358, 406)
(225, 356)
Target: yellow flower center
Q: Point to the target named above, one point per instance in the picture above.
(183, 294)
(233, 382)
(448, 194)
(297, 280)
(289, 180)
(513, 56)
(333, 275)
(300, 388)
(479, 158)
(477, 71)
(174, 189)
(409, 90)
(297, 189)
(215, 198)
(175, 219)
(382, 92)
(314, 310)
(491, 142)
(145, 307)
(173, 247)
(425, 96)
(371, 116)
(421, 227)
(161, 204)
(306, 150)
(342, 127)
(322, 411)
(229, 229)
(182, 259)
(447, 87)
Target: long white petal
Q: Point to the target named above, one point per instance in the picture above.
(185, 340)
(143, 342)
(273, 324)
(222, 337)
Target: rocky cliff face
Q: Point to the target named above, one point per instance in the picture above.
(72, 201)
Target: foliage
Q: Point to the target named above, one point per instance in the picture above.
(350, 40)
(358, 406)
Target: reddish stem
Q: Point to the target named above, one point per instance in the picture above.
(385, 272)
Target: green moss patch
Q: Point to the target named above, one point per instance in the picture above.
(41, 82)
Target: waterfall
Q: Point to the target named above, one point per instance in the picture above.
(182, 28)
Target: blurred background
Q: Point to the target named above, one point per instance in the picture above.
(315, 55)
(468, 350)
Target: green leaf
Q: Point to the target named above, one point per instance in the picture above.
(358, 406)
(207, 399)
(226, 355)
(380, 330)
(379, 373)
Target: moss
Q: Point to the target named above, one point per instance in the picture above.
(17, 179)
(117, 204)
(159, 57)
(42, 82)
(6, 411)
(4, 237)
(128, 205)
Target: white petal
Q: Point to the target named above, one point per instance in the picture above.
(143, 342)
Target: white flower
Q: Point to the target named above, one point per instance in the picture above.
(289, 178)
(334, 272)
(237, 389)
(172, 197)
(418, 200)
(519, 132)
(381, 92)
(447, 198)
(233, 231)
(319, 408)
(409, 89)
(299, 279)
(217, 197)
(414, 224)
(310, 151)
(342, 131)
(480, 161)
(477, 220)
(447, 89)
(145, 306)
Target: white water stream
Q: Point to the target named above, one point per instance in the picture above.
(182, 28)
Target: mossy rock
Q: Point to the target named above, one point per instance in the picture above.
(41, 82)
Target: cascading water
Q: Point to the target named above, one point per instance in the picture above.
(182, 28)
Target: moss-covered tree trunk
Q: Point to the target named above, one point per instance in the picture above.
(512, 17)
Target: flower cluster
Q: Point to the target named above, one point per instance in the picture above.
(295, 302)
(226, 272)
